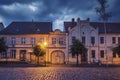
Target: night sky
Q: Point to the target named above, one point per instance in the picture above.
(55, 11)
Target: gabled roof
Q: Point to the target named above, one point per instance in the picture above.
(110, 27)
(1, 26)
(69, 24)
(28, 28)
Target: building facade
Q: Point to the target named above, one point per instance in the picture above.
(92, 35)
(21, 37)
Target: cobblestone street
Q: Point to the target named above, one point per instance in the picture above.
(60, 73)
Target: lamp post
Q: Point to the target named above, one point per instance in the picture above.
(45, 44)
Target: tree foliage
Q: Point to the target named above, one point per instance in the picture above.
(78, 48)
(38, 50)
(3, 46)
(116, 49)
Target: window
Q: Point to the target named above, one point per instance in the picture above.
(23, 40)
(118, 55)
(13, 41)
(32, 40)
(101, 40)
(73, 39)
(41, 40)
(53, 40)
(113, 40)
(114, 55)
(93, 40)
(102, 53)
(61, 41)
(93, 53)
(118, 39)
(83, 39)
(3, 55)
(13, 54)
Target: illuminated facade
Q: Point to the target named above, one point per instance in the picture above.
(22, 36)
(92, 35)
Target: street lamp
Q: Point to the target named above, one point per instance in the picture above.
(45, 44)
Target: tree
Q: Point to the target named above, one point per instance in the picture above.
(3, 46)
(38, 50)
(78, 48)
(104, 16)
(102, 10)
(116, 49)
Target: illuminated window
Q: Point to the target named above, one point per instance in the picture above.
(53, 40)
(33, 41)
(23, 40)
(41, 40)
(13, 40)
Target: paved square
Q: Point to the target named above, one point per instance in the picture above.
(60, 73)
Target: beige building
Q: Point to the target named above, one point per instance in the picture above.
(22, 36)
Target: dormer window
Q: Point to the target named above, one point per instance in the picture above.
(38, 29)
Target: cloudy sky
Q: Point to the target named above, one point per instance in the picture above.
(55, 11)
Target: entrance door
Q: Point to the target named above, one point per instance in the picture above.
(22, 55)
(83, 58)
(57, 57)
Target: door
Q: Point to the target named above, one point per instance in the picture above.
(57, 57)
(22, 55)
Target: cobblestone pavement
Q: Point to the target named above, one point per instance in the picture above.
(60, 73)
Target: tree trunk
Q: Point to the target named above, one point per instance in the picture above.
(77, 60)
(37, 59)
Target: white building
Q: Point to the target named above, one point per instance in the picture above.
(92, 34)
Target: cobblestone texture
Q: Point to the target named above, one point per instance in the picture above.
(60, 73)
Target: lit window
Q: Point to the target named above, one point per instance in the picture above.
(23, 40)
(13, 40)
(53, 40)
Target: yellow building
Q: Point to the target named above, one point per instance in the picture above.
(21, 37)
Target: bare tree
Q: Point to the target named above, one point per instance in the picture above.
(104, 16)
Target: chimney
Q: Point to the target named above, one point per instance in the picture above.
(73, 20)
(78, 20)
(88, 19)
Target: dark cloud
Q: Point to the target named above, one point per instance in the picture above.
(53, 10)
